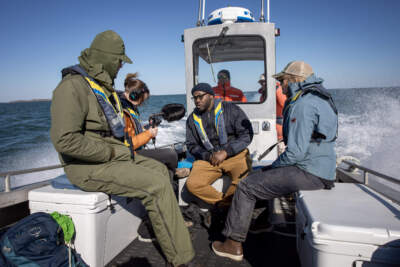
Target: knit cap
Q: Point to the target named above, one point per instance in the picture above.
(204, 87)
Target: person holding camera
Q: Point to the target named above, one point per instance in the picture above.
(135, 94)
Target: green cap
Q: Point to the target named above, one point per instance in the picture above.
(110, 42)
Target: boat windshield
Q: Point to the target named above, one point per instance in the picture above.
(242, 56)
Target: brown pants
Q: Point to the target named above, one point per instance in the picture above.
(203, 174)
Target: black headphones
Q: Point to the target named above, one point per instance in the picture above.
(137, 94)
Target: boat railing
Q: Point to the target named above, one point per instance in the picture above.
(178, 146)
(7, 175)
(366, 181)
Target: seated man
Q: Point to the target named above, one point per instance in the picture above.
(87, 130)
(217, 135)
(308, 163)
(225, 91)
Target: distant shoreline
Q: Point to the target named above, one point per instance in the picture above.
(31, 100)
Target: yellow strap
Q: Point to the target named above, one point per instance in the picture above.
(114, 94)
(198, 120)
(216, 110)
(297, 95)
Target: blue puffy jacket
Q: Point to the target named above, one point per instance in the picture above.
(310, 129)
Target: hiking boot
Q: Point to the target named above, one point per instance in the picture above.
(145, 232)
(229, 249)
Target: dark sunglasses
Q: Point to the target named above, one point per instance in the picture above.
(199, 97)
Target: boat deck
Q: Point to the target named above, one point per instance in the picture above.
(266, 249)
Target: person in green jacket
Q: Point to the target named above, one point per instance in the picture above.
(87, 130)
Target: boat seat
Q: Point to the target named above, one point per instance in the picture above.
(104, 224)
(62, 182)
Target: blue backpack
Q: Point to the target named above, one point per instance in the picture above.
(36, 241)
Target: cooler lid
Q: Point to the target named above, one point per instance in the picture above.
(351, 213)
(49, 194)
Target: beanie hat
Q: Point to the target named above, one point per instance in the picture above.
(204, 87)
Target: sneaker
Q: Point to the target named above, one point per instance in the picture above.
(145, 232)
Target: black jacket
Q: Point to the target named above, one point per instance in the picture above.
(238, 129)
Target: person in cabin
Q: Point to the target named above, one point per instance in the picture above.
(263, 89)
(225, 91)
(87, 130)
(280, 102)
(310, 126)
(217, 136)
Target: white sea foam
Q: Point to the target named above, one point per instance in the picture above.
(34, 158)
(373, 135)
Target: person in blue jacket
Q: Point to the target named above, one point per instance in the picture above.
(308, 163)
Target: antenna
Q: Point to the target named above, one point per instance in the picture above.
(204, 7)
(199, 17)
(262, 11)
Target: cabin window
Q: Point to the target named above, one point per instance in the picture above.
(244, 58)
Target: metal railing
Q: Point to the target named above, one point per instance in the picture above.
(366, 181)
(7, 175)
(366, 171)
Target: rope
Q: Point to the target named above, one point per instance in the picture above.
(209, 58)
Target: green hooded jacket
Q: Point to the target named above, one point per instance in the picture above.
(76, 113)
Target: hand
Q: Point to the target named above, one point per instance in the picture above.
(218, 157)
(153, 131)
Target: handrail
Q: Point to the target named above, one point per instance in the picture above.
(7, 183)
(366, 171)
(7, 175)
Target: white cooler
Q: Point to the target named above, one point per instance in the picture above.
(348, 226)
(103, 227)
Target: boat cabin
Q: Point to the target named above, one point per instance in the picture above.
(247, 50)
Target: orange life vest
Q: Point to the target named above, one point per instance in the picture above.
(131, 138)
(280, 103)
(228, 93)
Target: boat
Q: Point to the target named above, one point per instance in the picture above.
(354, 224)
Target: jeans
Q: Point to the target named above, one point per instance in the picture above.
(264, 184)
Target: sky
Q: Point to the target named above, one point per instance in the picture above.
(349, 43)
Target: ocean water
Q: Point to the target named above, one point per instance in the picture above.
(369, 130)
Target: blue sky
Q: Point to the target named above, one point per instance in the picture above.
(349, 43)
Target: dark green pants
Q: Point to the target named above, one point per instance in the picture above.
(147, 180)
